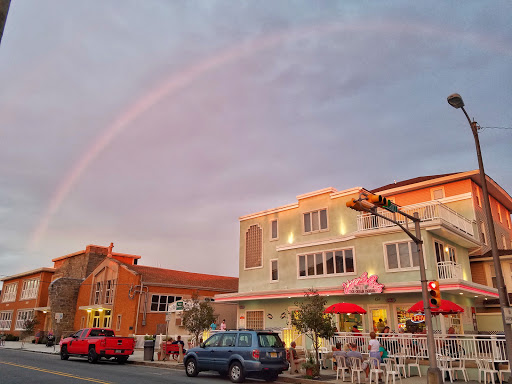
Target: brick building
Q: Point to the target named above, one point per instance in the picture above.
(24, 296)
(133, 299)
(98, 287)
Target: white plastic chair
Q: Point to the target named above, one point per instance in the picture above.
(401, 363)
(416, 365)
(355, 367)
(460, 366)
(445, 365)
(341, 365)
(487, 368)
(375, 368)
(502, 372)
(392, 370)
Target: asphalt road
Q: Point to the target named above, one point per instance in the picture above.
(23, 367)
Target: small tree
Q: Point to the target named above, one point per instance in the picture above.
(29, 327)
(198, 316)
(311, 320)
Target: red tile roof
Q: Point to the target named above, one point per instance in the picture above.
(410, 181)
(185, 279)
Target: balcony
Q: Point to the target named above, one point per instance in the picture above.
(449, 270)
(432, 212)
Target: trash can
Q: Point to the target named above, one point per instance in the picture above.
(149, 350)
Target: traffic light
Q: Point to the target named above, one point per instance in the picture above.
(381, 201)
(435, 294)
(359, 205)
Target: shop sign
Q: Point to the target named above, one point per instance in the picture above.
(418, 318)
(362, 285)
(180, 305)
(507, 311)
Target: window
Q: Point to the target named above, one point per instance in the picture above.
(444, 253)
(315, 221)
(245, 340)
(95, 320)
(492, 274)
(109, 292)
(274, 274)
(82, 322)
(118, 323)
(399, 256)
(504, 241)
(97, 293)
(9, 292)
(499, 212)
(327, 263)
(254, 319)
(23, 315)
(214, 340)
(437, 193)
(253, 247)
(274, 235)
(29, 289)
(482, 233)
(508, 220)
(107, 318)
(228, 340)
(159, 303)
(5, 320)
(477, 195)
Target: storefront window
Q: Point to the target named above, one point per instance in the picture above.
(402, 317)
(347, 321)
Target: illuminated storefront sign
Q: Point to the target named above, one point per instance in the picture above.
(418, 318)
(361, 285)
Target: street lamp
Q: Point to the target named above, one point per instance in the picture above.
(455, 101)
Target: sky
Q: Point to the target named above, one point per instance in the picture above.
(155, 125)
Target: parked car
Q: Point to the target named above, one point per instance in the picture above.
(239, 354)
(95, 343)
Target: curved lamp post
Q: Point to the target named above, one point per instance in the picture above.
(456, 101)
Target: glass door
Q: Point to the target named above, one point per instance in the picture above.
(379, 319)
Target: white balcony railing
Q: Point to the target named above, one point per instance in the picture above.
(433, 210)
(449, 270)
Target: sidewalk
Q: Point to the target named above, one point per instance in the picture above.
(327, 375)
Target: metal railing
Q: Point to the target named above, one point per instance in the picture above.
(449, 270)
(433, 210)
(463, 347)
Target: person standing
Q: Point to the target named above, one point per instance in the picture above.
(213, 325)
(223, 325)
(295, 357)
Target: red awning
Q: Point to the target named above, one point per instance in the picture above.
(447, 307)
(345, 308)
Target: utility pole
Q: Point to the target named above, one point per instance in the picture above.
(369, 203)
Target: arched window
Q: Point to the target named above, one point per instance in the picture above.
(253, 245)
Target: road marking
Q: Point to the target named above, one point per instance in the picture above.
(56, 373)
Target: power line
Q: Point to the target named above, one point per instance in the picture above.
(484, 128)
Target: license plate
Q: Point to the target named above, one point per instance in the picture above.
(273, 354)
(119, 351)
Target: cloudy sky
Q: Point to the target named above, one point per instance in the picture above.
(156, 124)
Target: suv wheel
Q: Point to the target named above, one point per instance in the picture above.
(236, 372)
(191, 367)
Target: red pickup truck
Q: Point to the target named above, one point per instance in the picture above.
(96, 343)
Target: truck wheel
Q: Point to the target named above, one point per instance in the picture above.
(191, 367)
(92, 357)
(236, 373)
(122, 359)
(64, 353)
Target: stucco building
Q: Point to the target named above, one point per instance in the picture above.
(317, 242)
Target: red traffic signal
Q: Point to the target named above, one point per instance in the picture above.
(435, 294)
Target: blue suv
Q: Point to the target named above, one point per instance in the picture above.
(239, 354)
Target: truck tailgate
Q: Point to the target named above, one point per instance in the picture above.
(125, 343)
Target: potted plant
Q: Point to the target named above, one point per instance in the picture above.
(311, 367)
